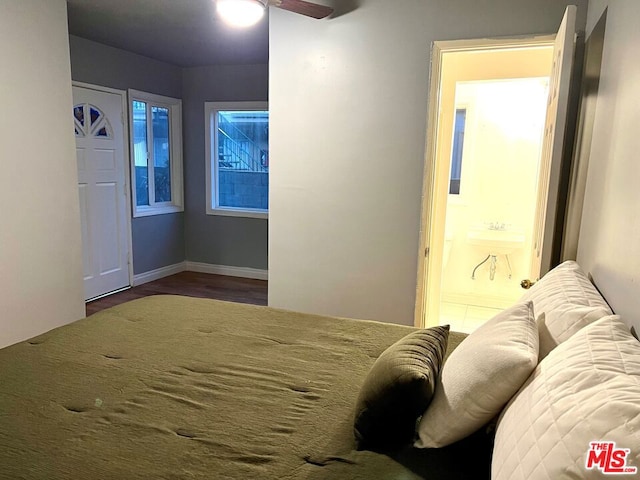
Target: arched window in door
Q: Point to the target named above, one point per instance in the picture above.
(89, 121)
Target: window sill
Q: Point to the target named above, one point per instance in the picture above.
(238, 212)
(149, 211)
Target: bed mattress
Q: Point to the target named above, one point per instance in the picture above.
(172, 387)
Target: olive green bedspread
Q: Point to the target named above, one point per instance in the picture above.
(176, 388)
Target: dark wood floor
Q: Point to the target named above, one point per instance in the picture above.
(204, 285)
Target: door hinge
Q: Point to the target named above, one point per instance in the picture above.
(426, 251)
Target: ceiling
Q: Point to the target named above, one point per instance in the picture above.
(186, 33)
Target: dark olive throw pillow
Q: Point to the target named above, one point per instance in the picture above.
(398, 389)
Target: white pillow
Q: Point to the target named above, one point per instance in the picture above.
(569, 302)
(586, 390)
(480, 376)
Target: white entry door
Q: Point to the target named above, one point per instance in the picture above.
(100, 149)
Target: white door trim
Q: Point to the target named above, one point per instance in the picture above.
(127, 163)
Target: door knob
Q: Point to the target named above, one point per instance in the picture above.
(526, 284)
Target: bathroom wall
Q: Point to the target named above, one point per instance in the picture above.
(501, 154)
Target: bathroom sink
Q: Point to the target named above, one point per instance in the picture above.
(496, 242)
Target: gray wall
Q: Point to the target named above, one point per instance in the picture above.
(348, 101)
(158, 240)
(608, 247)
(218, 240)
(163, 240)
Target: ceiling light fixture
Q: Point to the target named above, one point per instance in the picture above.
(240, 13)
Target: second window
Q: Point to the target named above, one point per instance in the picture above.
(237, 158)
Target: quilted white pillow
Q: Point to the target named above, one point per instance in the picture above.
(586, 390)
(480, 376)
(569, 302)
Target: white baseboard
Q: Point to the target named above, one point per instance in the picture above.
(159, 273)
(244, 272)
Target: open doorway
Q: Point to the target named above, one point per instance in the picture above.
(497, 116)
(489, 213)
(490, 138)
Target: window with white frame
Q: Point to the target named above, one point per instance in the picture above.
(156, 153)
(237, 144)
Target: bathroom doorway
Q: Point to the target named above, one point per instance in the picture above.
(495, 158)
(491, 167)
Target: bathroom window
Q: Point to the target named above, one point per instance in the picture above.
(456, 150)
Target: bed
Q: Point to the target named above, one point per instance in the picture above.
(179, 388)
(171, 387)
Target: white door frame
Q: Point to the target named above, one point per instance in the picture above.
(127, 163)
(427, 262)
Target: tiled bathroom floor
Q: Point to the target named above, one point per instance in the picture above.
(465, 318)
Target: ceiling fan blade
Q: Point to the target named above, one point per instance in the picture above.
(303, 8)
